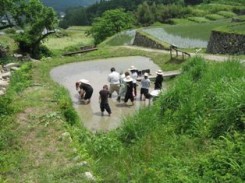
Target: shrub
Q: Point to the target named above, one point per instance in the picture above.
(104, 145)
(65, 104)
(70, 115)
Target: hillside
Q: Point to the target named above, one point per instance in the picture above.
(62, 5)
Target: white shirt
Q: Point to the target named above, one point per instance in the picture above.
(114, 78)
(134, 76)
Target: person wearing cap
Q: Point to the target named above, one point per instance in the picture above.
(129, 90)
(134, 75)
(145, 85)
(114, 80)
(103, 99)
(159, 80)
(86, 90)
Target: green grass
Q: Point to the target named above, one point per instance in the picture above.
(7, 41)
(76, 37)
(123, 38)
(198, 19)
(237, 28)
(214, 17)
(193, 133)
(195, 31)
(170, 142)
(226, 14)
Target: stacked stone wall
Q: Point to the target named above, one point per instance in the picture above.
(144, 41)
(226, 43)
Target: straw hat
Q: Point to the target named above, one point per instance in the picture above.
(128, 79)
(85, 81)
(146, 74)
(159, 72)
(132, 68)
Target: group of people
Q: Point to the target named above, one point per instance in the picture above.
(124, 84)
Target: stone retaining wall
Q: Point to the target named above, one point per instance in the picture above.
(145, 41)
(226, 43)
(5, 74)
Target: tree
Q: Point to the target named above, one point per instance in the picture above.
(74, 16)
(144, 14)
(9, 13)
(111, 22)
(37, 22)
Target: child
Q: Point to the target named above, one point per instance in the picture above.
(145, 85)
(104, 105)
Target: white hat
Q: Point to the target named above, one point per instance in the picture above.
(146, 74)
(128, 79)
(159, 72)
(132, 68)
(85, 81)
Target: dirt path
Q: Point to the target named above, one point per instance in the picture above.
(218, 58)
(97, 72)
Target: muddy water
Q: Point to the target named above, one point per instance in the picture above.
(96, 72)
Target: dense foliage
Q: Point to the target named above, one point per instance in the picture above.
(151, 11)
(64, 4)
(39, 22)
(36, 21)
(110, 23)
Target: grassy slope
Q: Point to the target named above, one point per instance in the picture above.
(71, 40)
(32, 147)
(193, 133)
(35, 126)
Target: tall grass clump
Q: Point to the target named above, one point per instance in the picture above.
(194, 132)
(207, 100)
(65, 104)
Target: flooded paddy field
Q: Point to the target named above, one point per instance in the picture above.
(96, 72)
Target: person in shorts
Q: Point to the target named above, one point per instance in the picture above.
(145, 85)
(103, 99)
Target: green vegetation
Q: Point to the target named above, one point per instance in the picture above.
(195, 31)
(198, 19)
(214, 17)
(69, 40)
(196, 126)
(36, 21)
(226, 14)
(237, 28)
(110, 23)
(194, 132)
(122, 38)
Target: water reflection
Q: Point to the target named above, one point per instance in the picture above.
(179, 41)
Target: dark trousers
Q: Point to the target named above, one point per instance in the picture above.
(105, 106)
(129, 95)
(135, 89)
